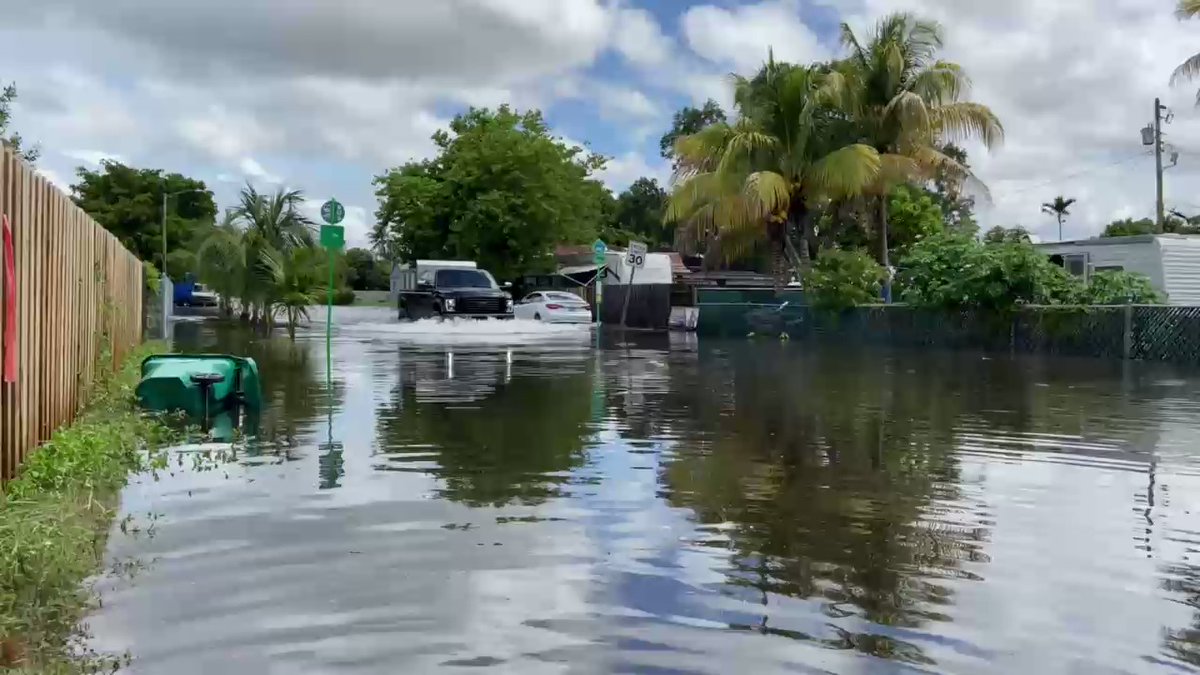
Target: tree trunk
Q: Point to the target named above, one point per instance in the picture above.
(883, 249)
(777, 236)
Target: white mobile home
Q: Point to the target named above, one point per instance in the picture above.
(1171, 261)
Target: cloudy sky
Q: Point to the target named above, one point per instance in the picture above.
(323, 94)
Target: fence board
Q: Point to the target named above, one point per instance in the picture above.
(78, 300)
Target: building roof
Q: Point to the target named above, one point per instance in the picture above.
(1115, 241)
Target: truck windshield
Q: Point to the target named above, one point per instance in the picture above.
(463, 279)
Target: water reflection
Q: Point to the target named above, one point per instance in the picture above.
(490, 437)
(659, 505)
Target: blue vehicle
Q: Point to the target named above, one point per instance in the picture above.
(190, 293)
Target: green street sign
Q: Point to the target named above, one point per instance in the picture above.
(333, 212)
(333, 237)
(599, 248)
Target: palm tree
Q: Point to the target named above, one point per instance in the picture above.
(221, 262)
(1189, 69)
(277, 218)
(275, 228)
(737, 182)
(1060, 208)
(297, 285)
(907, 105)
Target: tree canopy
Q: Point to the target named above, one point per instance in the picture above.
(7, 95)
(687, 121)
(365, 272)
(128, 202)
(828, 143)
(639, 213)
(501, 191)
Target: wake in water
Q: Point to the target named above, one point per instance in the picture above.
(467, 331)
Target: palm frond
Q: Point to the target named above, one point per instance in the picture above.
(767, 193)
(849, 40)
(845, 172)
(896, 170)
(941, 83)
(932, 160)
(964, 120)
(1186, 71)
(1187, 9)
(910, 112)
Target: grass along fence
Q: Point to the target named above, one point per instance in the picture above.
(78, 306)
(1143, 332)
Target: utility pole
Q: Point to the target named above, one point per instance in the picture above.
(1158, 165)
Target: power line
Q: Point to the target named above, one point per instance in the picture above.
(1077, 174)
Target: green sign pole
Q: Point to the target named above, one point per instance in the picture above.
(333, 238)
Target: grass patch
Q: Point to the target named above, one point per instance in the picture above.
(54, 520)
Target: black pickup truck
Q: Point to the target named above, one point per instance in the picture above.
(455, 292)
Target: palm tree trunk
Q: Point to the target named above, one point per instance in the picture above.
(777, 240)
(1060, 238)
(883, 249)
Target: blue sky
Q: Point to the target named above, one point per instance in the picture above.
(323, 95)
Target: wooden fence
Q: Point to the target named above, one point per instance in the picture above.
(78, 297)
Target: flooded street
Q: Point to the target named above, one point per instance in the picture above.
(513, 498)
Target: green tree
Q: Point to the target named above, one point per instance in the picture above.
(1118, 288)
(687, 121)
(1128, 227)
(954, 271)
(840, 279)
(1006, 235)
(758, 178)
(364, 272)
(639, 211)
(7, 95)
(913, 215)
(948, 190)
(1189, 69)
(1060, 208)
(128, 202)
(221, 263)
(1174, 223)
(263, 256)
(907, 105)
(502, 191)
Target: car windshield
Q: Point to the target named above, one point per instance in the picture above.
(563, 297)
(463, 279)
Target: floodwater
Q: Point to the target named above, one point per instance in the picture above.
(513, 499)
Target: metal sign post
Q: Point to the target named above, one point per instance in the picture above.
(599, 253)
(333, 238)
(635, 259)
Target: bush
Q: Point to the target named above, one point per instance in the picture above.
(343, 296)
(840, 279)
(1119, 288)
(953, 271)
(53, 521)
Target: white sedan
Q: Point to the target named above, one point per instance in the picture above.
(554, 307)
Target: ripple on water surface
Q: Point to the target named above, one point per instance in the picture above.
(524, 502)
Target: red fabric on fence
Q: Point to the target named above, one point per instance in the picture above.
(10, 306)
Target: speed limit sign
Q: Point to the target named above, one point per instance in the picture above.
(637, 254)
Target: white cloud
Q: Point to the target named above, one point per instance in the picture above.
(622, 170)
(638, 37)
(741, 36)
(254, 171)
(94, 157)
(617, 101)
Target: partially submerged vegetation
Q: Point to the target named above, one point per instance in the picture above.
(54, 521)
